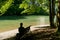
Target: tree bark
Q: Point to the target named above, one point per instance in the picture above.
(52, 12)
(58, 16)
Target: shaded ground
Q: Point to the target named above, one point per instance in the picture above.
(44, 34)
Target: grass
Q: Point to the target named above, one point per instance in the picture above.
(12, 22)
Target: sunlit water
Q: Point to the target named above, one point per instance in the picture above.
(43, 20)
(10, 23)
(36, 20)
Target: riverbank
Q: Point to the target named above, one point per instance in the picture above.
(42, 33)
(8, 34)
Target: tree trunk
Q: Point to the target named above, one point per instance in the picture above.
(58, 16)
(52, 12)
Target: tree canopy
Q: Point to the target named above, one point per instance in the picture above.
(18, 7)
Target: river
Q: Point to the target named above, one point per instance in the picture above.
(9, 22)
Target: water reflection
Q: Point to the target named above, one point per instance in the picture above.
(43, 20)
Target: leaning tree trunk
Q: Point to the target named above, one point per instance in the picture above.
(52, 12)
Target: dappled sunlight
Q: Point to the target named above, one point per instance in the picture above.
(29, 19)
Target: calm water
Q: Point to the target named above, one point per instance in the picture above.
(8, 23)
(35, 20)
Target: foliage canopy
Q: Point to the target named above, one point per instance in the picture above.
(18, 7)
